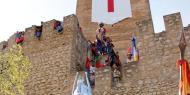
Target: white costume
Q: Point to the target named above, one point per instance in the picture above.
(82, 88)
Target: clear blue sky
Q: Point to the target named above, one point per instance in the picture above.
(16, 15)
(159, 8)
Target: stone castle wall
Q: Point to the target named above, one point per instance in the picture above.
(54, 58)
(156, 73)
(120, 32)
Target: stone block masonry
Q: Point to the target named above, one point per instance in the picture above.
(103, 81)
(156, 72)
(55, 57)
(3, 45)
(120, 32)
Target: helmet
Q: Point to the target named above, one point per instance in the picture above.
(101, 24)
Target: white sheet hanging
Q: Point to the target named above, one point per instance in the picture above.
(81, 87)
(122, 10)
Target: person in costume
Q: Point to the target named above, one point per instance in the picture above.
(129, 56)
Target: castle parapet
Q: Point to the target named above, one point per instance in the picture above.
(174, 26)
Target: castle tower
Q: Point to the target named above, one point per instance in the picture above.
(140, 10)
(120, 32)
(56, 57)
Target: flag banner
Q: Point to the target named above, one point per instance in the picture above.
(110, 5)
(184, 84)
(134, 50)
(110, 11)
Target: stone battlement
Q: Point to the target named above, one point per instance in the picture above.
(57, 56)
(156, 72)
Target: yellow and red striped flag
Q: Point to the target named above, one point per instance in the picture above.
(184, 84)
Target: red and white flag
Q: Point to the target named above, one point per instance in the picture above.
(110, 11)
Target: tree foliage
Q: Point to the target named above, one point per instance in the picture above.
(14, 69)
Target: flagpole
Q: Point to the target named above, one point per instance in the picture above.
(180, 72)
(180, 78)
(182, 46)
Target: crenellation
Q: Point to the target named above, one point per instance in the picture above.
(29, 34)
(48, 54)
(173, 25)
(159, 50)
(56, 57)
(11, 40)
(187, 28)
(49, 73)
(48, 26)
(68, 19)
(145, 33)
(3, 46)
